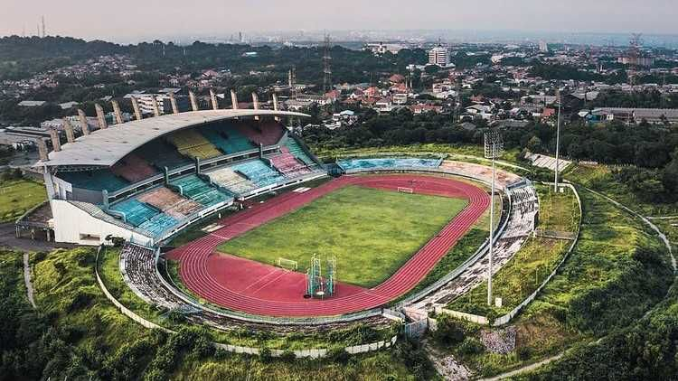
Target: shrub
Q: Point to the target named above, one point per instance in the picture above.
(266, 355)
(471, 346)
(288, 356)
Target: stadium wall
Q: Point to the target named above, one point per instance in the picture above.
(74, 225)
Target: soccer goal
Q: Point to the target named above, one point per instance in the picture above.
(288, 264)
(405, 190)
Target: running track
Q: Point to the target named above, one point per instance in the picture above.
(255, 288)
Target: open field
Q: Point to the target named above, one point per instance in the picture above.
(18, 196)
(372, 233)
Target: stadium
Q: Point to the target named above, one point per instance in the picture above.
(260, 231)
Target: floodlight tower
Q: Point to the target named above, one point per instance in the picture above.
(494, 146)
(560, 103)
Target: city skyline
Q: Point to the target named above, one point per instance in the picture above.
(149, 20)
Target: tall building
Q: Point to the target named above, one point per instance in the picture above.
(543, 47)
(439, 56)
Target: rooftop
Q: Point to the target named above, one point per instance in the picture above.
(106, 147)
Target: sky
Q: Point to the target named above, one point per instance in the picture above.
(148, 19)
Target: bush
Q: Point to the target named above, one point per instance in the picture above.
(524, 353)
(266, 355)
(338, 355)
(471, 346)
(288, 356)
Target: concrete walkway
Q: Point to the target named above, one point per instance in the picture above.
(525, 369)
(27, 280)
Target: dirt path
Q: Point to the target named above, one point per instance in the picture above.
(27, 280)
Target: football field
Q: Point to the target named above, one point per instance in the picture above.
(371, 232)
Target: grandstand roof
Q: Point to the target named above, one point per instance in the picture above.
(106, 147)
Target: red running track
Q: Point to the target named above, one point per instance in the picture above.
(243, 285)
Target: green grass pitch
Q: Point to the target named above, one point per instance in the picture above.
(371, 232)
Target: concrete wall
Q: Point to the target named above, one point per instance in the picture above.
(71, 222)
(460, 315)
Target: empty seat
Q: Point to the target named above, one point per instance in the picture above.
(94, 180)
(227, 138)
(229, 179)
(161, 154)
(366, 164)
(288, 164)
(266, 133)
(170, 202)
(191, 143)
(134, 169)
(296, 150)
(159, 224)
(136, 213)
(200, 191)
(259, 173)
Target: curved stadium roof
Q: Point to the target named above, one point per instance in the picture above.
(106, 147)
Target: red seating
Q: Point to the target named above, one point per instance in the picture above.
(266, 133)
(134, 169)
(289, 165)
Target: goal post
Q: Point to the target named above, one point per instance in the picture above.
(405, 190)
(288, 264)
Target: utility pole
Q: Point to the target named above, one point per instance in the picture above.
(494, 146)
(560, 103)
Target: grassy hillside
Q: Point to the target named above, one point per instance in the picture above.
(77, 334)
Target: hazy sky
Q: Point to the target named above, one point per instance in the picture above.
(148, 18)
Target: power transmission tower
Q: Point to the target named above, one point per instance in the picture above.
(634, 58)
(494, 146)
(292, 81)
(327, 67)
(44, 30)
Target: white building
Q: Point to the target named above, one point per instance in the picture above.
(439, 56)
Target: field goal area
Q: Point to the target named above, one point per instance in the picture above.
(405, 190)
(288, 264)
